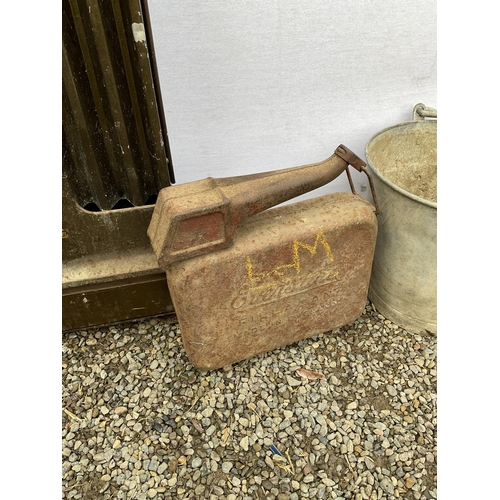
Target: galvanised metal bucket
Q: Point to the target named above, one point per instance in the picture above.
(403, 161)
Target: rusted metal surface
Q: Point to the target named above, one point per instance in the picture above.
(200, 217)
(292, 272)
(243, 279)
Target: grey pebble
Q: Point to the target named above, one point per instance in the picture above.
(387, 486)
(391, 390)
(161, 468)
(210, 430)
(292, 382)
(226, 467)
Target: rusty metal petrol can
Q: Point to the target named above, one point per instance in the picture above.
(245, 280)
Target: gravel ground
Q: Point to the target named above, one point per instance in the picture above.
(139, 421)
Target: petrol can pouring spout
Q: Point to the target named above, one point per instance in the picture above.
(251, 194)
(201, 217)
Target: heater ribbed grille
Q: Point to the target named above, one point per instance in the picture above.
(115, 145)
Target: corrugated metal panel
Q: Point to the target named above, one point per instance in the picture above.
(116, 151)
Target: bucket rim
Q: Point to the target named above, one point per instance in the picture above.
(384, 179)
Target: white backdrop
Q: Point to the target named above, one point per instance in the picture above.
(250, 86)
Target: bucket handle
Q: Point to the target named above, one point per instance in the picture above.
(421, 112)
